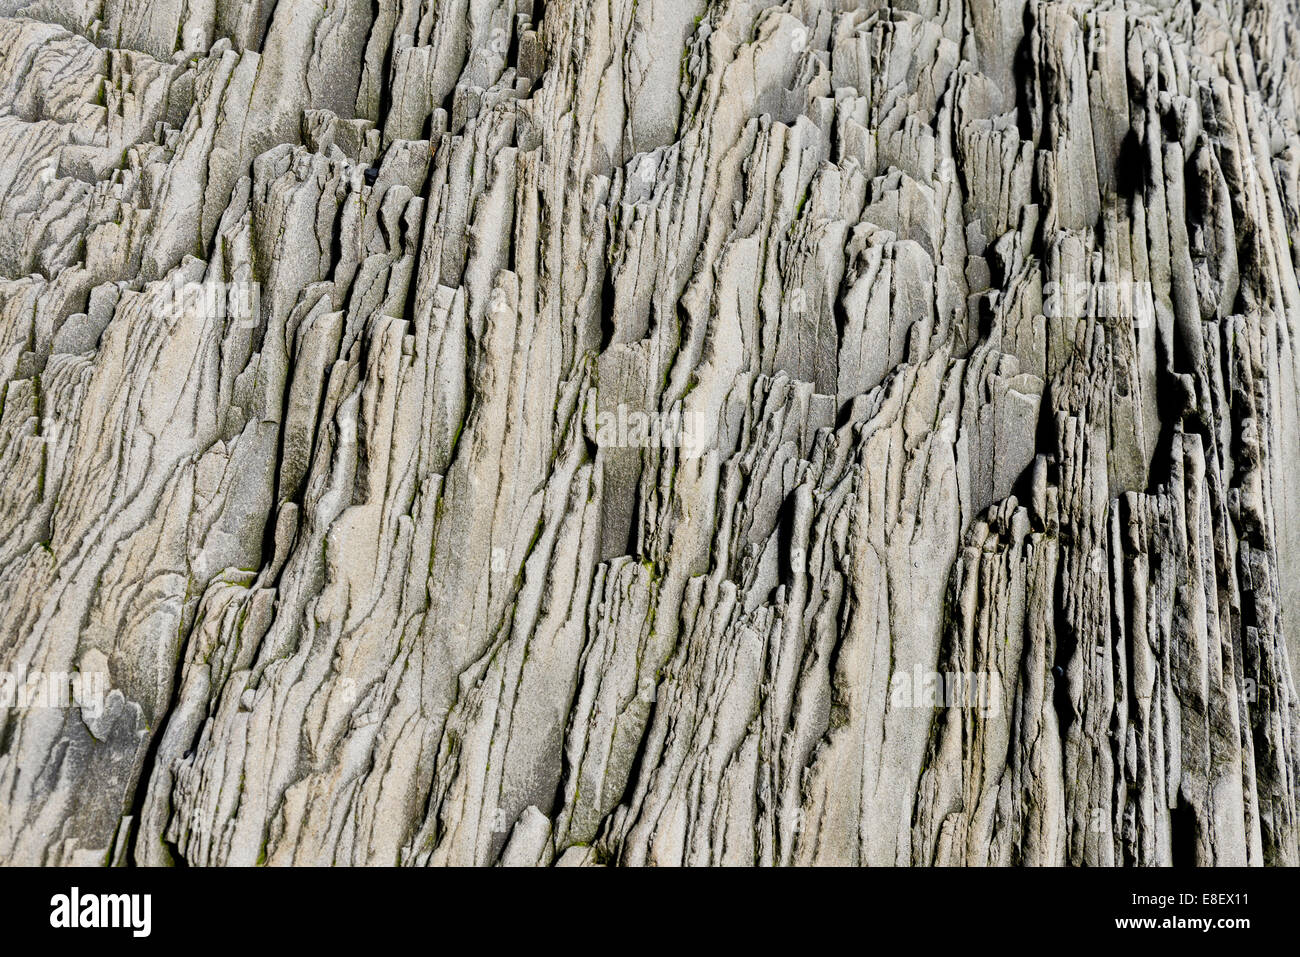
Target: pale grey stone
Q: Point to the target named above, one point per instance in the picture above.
(623, 419)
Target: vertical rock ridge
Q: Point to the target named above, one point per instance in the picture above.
(662, 432)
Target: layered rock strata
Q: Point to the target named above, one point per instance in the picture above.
(650, 431)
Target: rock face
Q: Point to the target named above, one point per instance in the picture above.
(660, 432)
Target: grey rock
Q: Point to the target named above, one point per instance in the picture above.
(650, 433)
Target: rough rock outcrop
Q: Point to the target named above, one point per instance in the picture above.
(650, 431)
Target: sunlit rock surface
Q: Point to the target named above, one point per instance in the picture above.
(650, 432)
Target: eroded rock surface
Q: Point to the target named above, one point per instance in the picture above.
(604, 424)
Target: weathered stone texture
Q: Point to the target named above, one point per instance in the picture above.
(613, 414)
